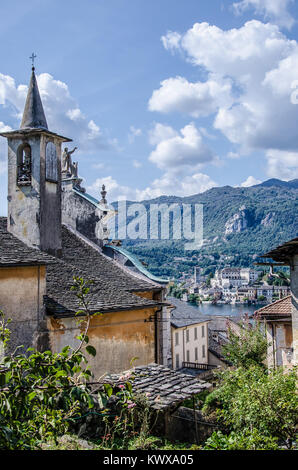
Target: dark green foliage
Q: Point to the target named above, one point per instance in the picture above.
(257, 405)
(248, 348)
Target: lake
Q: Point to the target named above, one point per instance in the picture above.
(237, 310)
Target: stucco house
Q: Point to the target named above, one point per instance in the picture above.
(277, 318)
(56, 226)
(287, 255)
(189, 341)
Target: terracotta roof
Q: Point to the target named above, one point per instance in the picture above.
(165, 387)
(280, 309)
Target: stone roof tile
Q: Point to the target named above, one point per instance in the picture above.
(13, 252)
(159, 383)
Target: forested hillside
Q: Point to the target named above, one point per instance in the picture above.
(239, 225)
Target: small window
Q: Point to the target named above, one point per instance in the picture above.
(187, 356)
(203, 331)
(187, 336)
(196, 333)
(203, 351)
(176, 339)
(24, 162)
(196, 354)
(177, 361)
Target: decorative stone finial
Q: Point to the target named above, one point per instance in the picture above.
(103, 195)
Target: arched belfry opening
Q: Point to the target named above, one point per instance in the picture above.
(24, 165)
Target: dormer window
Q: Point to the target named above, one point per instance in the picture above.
(24, 165)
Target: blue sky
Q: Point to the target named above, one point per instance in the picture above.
(161, 97)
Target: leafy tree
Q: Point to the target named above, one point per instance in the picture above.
(260, 407)
(246, 348)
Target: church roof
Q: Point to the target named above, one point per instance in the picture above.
(137, 263)
(13, 252)
(112, 289)
(33, 116)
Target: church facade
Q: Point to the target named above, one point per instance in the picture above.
(55, 231)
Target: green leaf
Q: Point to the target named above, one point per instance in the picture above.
(91, 350)
(61, 373)
(108, 389)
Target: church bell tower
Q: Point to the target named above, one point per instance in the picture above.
(34, 178)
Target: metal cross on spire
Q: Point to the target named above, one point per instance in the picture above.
(32, 58)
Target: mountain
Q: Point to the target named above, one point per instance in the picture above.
(283, 184)
(240, 224)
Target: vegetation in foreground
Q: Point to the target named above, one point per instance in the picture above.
(47, 401)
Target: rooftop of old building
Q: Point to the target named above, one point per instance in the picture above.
(283, 253)
(281, 309)
(112, 288)
(165, 388)
(13, 252)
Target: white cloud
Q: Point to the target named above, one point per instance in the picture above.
(251, 181)
(262, 64)
(233, 155)
(169, 184)
(133, 133)
(197, 99)
(137, 164)
(3, 148)
(61, 109)
(282, 165)
(174, 150)
(98, 166)
(274, 10)
(171, 40)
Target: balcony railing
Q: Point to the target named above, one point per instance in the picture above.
(196, 365)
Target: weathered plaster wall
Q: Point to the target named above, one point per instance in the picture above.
(80, 214)
(24, 202)
(294, 291)
(214, 360)
(21, 299)
(117, 337)
(50, 202)
(279, 337)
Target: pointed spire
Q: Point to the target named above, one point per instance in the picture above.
(34, 116)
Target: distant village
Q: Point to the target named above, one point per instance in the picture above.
(231, 285)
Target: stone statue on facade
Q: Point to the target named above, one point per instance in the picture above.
(69, 168)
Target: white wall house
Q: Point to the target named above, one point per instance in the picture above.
(189, 343)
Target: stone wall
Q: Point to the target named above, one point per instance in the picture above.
(117, 337)
(185, 425)
(21, 300)
(80, 214)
